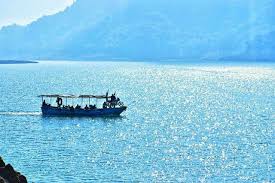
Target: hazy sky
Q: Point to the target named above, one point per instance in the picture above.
(25, 11)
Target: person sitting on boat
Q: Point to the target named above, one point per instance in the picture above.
(86, 107)
(59, 101)
(104, 105)
(92, 106)
(77, 106)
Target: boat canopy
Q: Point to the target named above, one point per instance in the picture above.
(75, 96)
(93, 96)
(56, 96)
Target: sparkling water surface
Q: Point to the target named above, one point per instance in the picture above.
(184, 123)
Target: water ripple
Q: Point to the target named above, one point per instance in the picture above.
(184, 123)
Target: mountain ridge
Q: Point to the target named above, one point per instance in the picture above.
(139, 30)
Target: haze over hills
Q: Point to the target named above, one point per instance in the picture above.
(147, 30)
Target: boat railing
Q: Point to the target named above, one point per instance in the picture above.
(111, 101)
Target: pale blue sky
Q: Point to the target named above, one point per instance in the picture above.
(25, 11)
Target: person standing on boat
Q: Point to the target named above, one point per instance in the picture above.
(113, 101)
(113, 98)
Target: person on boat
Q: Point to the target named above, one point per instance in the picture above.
(113, 101)
(113, 98)
(92, 106)
(86, 107)
(104, 105)
(59, 101)
(44, 103)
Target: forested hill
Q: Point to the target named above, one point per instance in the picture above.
(147, 30)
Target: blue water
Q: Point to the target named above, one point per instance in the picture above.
(185, 123)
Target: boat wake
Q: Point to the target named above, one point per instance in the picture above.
(2, 113)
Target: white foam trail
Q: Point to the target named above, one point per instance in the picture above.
(20, 113)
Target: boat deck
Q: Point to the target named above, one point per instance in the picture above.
(56, 111)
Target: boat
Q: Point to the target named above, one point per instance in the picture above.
(112, 106)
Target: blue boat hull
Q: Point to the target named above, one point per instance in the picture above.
(55, 111)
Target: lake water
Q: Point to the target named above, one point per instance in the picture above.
(184, 123)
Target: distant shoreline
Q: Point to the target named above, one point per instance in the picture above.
(170, 62)
(17, 62)
(160, 60)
